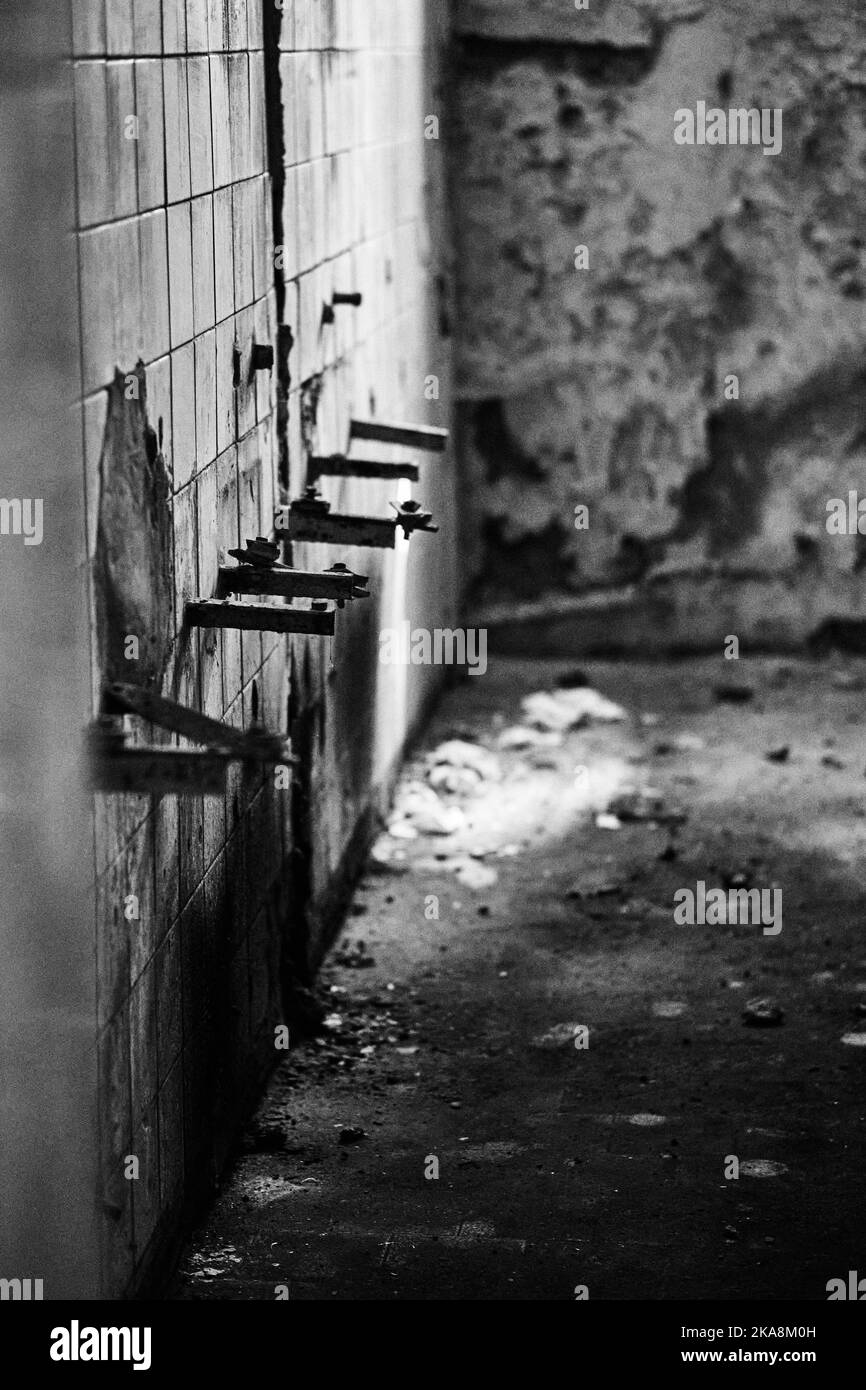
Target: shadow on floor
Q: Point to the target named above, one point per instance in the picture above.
(444, 1138)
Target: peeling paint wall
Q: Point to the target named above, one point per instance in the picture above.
(133, 583)
(605, 386)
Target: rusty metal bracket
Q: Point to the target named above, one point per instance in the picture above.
(413, 436)
(358, 581)
(282, 582)
(260, 552)
(254, 744)
(116, 768)
(161, 771)
(259, 573)
(335, 529)
(310, 519)
(316, 621)
(339, 466)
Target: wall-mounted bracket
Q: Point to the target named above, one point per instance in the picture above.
(282, 582)
(260, 573)
(310, 519)
(116, 768)
(259, 552)
(339, 466)
(316, 621)
(254, 744)
(358, 581)
(413, 436)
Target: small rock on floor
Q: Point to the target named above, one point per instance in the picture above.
(763, 1013)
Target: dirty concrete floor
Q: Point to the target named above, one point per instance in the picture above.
(602, 1166)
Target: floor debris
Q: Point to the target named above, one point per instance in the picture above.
(559, 710)
(643, 1120)
(476, 876)
(763, 1013)
(468, 869)
(582, 927)
(353, 955)
(761, 1168)
(460, 781)
(387, 858)
(560, 1035)
(419, 810)
(352, 1134)
(456, 753)
(669, 1008)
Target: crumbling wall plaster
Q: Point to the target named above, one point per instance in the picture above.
(134, 591)
(605, 386)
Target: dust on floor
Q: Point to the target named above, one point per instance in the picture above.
(531, 1081)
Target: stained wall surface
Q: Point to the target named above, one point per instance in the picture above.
(236, 163)
(600, 380)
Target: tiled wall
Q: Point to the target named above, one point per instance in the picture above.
(364, 209)
(178, 270)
